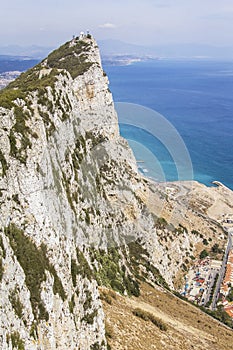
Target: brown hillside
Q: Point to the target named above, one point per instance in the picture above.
(187, 327)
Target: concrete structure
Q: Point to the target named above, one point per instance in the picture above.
(228, 279)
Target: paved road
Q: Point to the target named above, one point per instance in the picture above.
(222, 271)
(206, 298)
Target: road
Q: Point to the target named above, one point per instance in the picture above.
(206, 295)
(222, 271)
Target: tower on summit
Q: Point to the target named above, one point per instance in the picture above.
(81, 35)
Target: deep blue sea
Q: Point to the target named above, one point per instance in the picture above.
(196, 97)
(14, 64)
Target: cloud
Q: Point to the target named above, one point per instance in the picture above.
(107, 26)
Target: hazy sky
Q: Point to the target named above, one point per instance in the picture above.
(150, 22)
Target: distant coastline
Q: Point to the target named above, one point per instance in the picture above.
(7, 77)
(125, 60)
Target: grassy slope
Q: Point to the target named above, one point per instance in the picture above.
(187, 327)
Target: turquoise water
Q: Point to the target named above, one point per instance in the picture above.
(197, 98)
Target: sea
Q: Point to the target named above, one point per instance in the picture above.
(177, 116)
(11, 63)
(193, 99)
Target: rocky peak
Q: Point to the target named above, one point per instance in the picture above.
(59, 150)
(75, 212)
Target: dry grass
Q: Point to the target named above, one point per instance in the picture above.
(148, 316)
(187, 327)
(107, 295)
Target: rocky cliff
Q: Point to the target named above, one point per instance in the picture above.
(75, 213)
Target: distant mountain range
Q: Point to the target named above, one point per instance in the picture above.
(115, 48)
(32, 51)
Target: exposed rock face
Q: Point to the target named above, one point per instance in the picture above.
(75, 212)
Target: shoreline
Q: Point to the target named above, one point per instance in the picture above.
(211, 184)
(215, 184)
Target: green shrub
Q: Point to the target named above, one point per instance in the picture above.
(1, 269)
(13, 148)
(221, 315)
(34, 263)
(20, 128)
(4, 164)
(108, 330)
(230, 295)
(108, 296)
(88, 302)
(83, 267)
(195, 232)
(74, 272)
(138, 258)
(29, 81)
(161, 223)
(111, 274)
(16, 341)
(215, 249)
(71, 58)
(89, 317)
(7, 96)
(26, 82)
(2, 251)
(34, 331)
(96, 346)
(16, 303)
(218, 314)
(147, 316)
(203, 254)
(71, 304)
(15, 198)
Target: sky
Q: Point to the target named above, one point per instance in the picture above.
(143, 22)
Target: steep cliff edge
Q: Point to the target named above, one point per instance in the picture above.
(75, 213)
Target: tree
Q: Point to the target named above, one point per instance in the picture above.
(230, 295)
(203, 254)
(215, 249)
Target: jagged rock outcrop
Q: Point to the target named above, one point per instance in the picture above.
(74, 209)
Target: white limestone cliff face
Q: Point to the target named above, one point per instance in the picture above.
(34, 199)
(70, 194)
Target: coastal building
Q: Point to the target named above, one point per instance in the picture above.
(228, 278)
(229, 309)
(199, 280)
(215, 264)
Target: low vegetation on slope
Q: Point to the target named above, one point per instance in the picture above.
(71, 58)
(34, 262)
(178, 325)
(148, 316)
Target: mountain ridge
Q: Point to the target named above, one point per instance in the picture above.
(115, 47)
(75, 212)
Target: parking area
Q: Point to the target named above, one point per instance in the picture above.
(200, 279)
